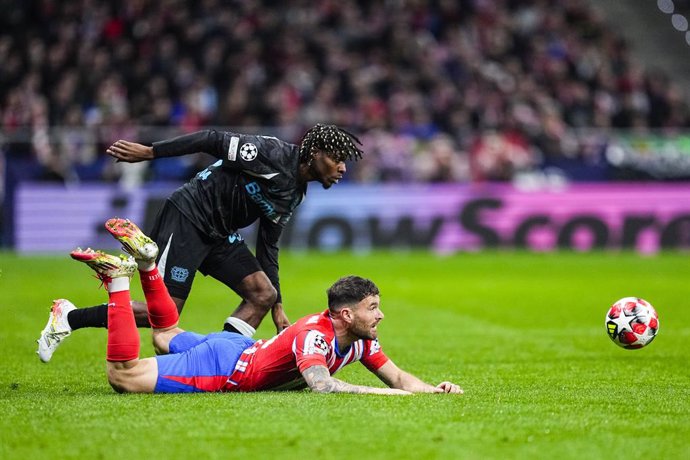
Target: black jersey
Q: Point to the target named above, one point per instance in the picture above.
(255, 177)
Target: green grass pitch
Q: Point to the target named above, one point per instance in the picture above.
(522, 333)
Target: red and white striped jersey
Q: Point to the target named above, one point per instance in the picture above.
(277, 363)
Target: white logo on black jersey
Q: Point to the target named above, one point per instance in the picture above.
(248, 151)
(232, 148)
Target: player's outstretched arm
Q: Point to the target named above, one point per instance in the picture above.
(209, 141)
(130, 152)
(394, 377)
(320, 380)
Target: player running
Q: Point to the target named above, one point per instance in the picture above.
(255, 178)
(306, 354)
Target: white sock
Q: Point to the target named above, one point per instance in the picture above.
(146, 265)
(242, 326)
(118, 284)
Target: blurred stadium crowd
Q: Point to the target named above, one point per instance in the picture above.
(441, 91)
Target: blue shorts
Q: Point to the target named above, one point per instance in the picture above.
(199, 363)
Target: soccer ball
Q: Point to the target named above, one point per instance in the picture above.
(632, 323)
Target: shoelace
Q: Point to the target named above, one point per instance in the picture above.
(104, 279)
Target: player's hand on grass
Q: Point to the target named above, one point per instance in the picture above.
(130, 152)
(280, 319)
(448, 387)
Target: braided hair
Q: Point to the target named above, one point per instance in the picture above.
(336, 142)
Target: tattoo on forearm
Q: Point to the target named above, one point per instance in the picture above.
(319, 379)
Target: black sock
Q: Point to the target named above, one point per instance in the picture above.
(88, 317)
(227, 327)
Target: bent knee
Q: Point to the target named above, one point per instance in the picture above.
(161, 344)
(266, 298)
(161, 339)
(160, 348)
(133, 377)
(117, 380)
(258, 290)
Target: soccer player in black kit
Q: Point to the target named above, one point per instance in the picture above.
(255, 178)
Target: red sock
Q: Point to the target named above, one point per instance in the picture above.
(123, 337)
(161, 308)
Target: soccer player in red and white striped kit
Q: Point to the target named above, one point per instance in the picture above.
(306, 354)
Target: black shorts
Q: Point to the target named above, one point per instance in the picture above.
(183, 250)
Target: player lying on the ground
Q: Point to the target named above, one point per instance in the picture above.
(305, 354)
